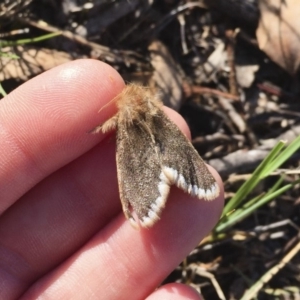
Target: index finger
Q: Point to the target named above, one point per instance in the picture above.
(43, 126)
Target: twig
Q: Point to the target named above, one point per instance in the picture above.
(103, 52)
(201, 272)
(236, 119)
(205, 90)
(181, 21)
(233, 86)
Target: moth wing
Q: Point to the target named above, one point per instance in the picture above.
(150, 160)
(139, 175)
(182, 164)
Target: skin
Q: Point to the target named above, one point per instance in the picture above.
(62, 232)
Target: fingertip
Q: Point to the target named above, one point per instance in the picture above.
(175, 291)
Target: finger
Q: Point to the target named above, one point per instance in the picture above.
(174, 291)
(44, 123)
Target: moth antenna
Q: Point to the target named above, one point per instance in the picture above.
(108, 103)
(109, 124)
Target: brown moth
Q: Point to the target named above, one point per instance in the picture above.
(153, 154)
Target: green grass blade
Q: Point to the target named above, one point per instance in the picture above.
(2, 91)
(4, 43)
(242, 213)
(9, 55)
(283, 157)
(250, 184)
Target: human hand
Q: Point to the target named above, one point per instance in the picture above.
(62, 232)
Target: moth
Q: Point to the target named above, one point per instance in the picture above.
(153, 154)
